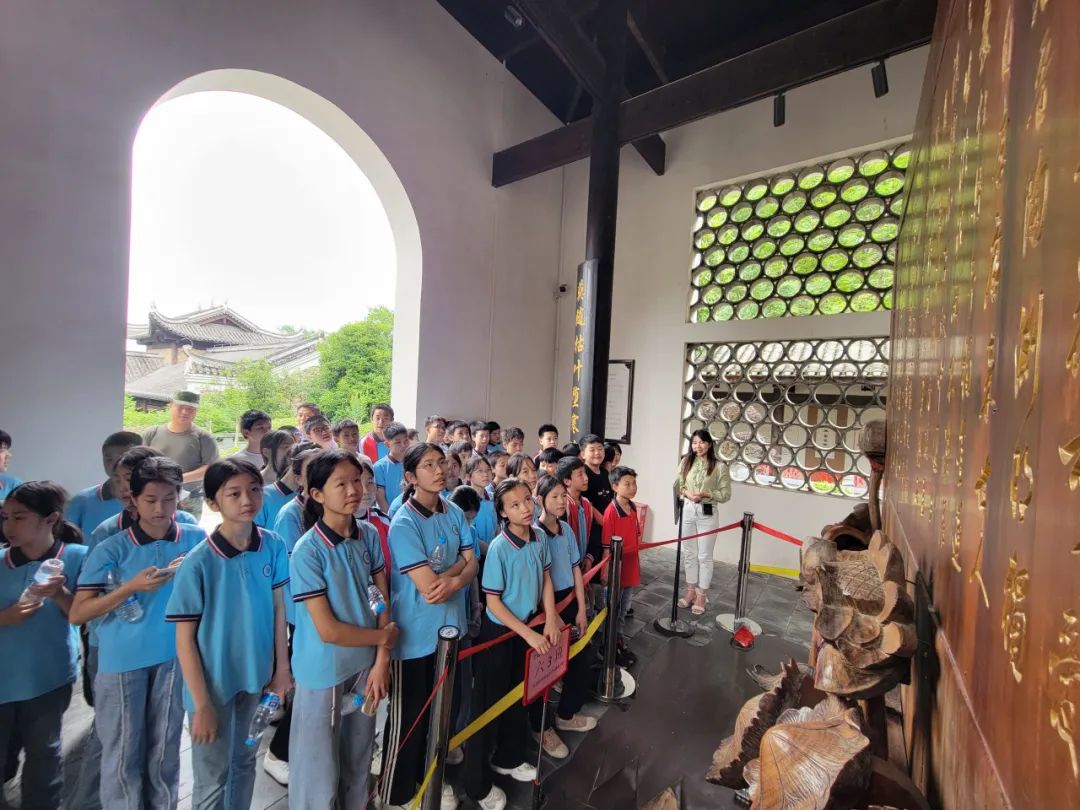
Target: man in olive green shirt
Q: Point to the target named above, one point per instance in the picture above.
(193, 448)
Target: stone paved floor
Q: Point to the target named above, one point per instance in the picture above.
(771, 601)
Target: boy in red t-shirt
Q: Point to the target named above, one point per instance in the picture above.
(621, 520)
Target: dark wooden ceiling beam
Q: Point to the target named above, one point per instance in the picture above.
(870, 33)
(560, 30)
(648, 38)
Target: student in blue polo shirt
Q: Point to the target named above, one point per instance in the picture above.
(497, 459)
(39, 650)
(230, 635)
(389, 472)
(285, 485)
(341, 646)
(522, 468)
(275, 447)
(566, 579)
(137, 689)
(8, 481)
(478, 476)
(517, 583)
(424, 599)
(89, 507)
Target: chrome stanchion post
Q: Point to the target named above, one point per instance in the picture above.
(675, 626)
(441, 706)
(733, 621)
(610, 683)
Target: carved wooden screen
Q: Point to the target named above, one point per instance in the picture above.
(983, 481)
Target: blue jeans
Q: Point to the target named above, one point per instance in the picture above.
(329, 755)
(139, 718)
(38, 723)
(626, 597)
(86, 793)
(224, 770)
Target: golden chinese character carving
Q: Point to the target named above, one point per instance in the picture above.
(955, 556)
(987, 397)
(980, 494)
(1021, 484)
(984, 42)
(1072, 359)
(577, 369)
(581, 290)
(1014, 615)
(1064, 666)
(573, 424)
(1028, 349)
(575, 397)
(579, 316)
(965, 371)
(579, 344)
(993, 275)
(1042, 72)
(1038, 188)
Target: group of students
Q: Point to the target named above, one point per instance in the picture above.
(334, 566)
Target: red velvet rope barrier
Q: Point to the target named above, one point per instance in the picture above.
(787, 538)
(727, 528)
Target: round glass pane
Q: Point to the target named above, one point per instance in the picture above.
(818, 284)
(764, 248)
(788, 287)
(841, 417)
(755, 412)
(749, 271)
(896, 205)
(795, 435)
(730, 411)
(761, 289)
(739, 471)
(706, 201)
(727, 450)
(714, 256)
(794, 202)
(730, 195)
(753, 453)
(752, 230)
(776, 267)
(840, 170)
(793, 478)
(725, 274)
(867, 255)
(764, 475)
(805, 264)
(835, 260)
(823, 197)
(850, 281)
(748, 310)
(839, 462)
(869, 209)
(811, 177)
(854, 486)
(854, 190)
(888, 183)
(861, 350)
(701, 278)
(722, 353)
(832, 304)
(837, 215)
(881, 277)
(723, 312)
(852, 235)
(783, 183)
(767, 207)
(825, 438)
(736, 293)
(704, 239)
(887, 299)
(779, 226)
(885, 229)
(821, 240)
(701, 315)
(713, 295)
(756, 189)
(717, 217)
(738, 252)
(742, 211)
(801, 306)
(774, 308)
(791, 244)
(901, 156)
(865, 301)
(807, 221)
(873, 163)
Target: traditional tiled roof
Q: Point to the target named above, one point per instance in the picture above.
(159, 385)
(202, 327)
(139, 364)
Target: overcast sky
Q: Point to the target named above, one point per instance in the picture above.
(238, 200)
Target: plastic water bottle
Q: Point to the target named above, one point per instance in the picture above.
(129, 610)
(350, 702)
(261, 719)
(47, 570)
(437, 558)
(375, 600)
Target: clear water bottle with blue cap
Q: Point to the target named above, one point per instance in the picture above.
(350, 702)
(47, 570)
(437, 557)
(261, 719)
(375, 600)
(129, 610)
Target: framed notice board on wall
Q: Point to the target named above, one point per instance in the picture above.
(620, 401)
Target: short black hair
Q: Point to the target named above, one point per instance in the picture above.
(5, 439)
(465, 499)
(493, 426)
(619, 473)
(550, 456)
(571, 449)
(298, 453)
(222, 470)
(136, 455)
(609, 454)
(513, 433)
(589, 438)
(479, 424)
(342, 424)
(414, 435)
(313, 421)
(155, 470)
(122, 438)
(547, 428)
(382, 406)
(461, 446)
(613, 445)
(393, 430)
(311, 406)
(435, 419)
(567, 465)
(457, 423)
(495, 455)
(249, 419)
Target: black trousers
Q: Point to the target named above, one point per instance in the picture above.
(576, 681)
(503, 741)
(411, 682)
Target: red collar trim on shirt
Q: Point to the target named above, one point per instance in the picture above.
(332, 538)
(516, 541)
(15, 556)
(422, 510)
(227, 550)
(140, 538)
(283, 488)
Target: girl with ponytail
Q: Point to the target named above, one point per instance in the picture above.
(40, 649)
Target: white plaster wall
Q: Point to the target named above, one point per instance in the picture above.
(651, 277)
(76, 80)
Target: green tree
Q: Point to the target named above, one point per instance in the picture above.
(354, 369)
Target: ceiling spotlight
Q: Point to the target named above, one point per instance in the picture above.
(513, 16)
(881, 79)
(779, 110)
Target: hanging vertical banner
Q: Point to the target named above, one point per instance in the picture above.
(582, 366)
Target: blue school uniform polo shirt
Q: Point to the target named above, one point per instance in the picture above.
(340, 568)
(564, 552)
(8, 482)
(41, 653)
(126, 646)
(390, 475)
(414, 533)
(275, 496)
(230, 594)
(87, 509)
(514, 571)
(124, 521)
(395, 505)
(289, 523)
(486, 522)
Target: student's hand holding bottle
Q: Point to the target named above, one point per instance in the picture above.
(378, 683)
(18, 613)
(50, 588)
(538, 642)
(281, 683)
(204, 724)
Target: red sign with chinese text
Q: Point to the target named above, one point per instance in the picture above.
(543, 671)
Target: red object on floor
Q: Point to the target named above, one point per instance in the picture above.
(743, 638)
